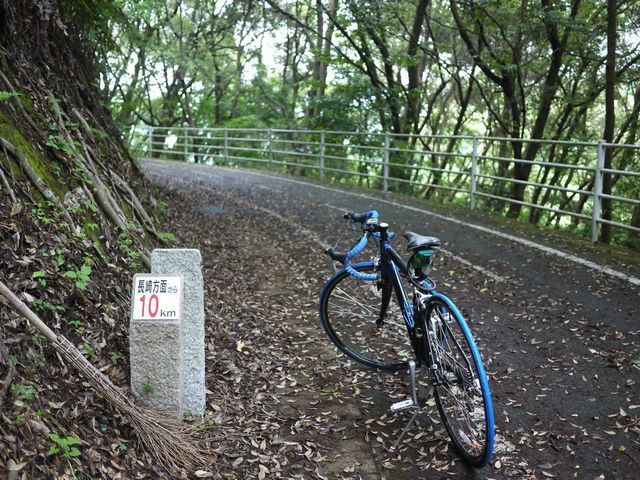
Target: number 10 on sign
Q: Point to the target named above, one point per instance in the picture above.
(156, 297)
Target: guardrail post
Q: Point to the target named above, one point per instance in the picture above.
(150, 152)
(270, 148)
(474, 173)
(186, 154)
(322, 156)
(385, 165)
(225, 153)
(597, 192)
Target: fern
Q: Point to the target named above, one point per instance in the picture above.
(4, 96)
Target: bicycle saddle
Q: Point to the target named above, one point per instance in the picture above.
(419, 241)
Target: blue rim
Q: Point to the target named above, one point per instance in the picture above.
(482, 376)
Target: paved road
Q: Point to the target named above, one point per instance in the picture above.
(558, 337)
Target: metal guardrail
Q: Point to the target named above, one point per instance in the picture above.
(565, 185)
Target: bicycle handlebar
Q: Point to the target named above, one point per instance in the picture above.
(337, 256)
(361, 217)
(356, 250)
(344, 258)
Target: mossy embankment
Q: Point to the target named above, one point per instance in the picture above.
(76, 222)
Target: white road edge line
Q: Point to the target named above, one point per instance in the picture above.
(293, 224)
(484, 271)
(343, 210)
(513, 238)
(269, 188)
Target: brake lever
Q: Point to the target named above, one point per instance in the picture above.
(350, 224)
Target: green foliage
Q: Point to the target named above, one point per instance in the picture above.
(161, 207)
(93, 20)
(212, 421)
(101, 134)
(43, 216)
(82, 276)
(4, 96)
(89, 350)
(64, 446)
(476, 68)
(40, 277)
(57, 141)
(25, 393)
(42, 362)
(126, 245)
(117, 356)
(58, 261)
(43, 166)
(149, 388)
(81, 174)
(166, 237)
(75, 323)
(46, 306)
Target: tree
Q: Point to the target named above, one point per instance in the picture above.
(610, 115)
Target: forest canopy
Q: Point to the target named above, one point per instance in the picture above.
(527, 70)
(517, 69)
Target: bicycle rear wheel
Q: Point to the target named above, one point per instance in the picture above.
(349, 310)
(461, 388)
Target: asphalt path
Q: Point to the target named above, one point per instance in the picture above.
(559, 337)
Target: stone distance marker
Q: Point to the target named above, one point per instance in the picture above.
(167, 352)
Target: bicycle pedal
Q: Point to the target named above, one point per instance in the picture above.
(404, 404)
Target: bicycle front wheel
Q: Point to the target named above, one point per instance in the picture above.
(461, 388)
(349, 313)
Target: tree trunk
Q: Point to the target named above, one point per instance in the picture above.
(326, 53)
(609, 115)
(412, 112)
(238, 82)
(548, 92)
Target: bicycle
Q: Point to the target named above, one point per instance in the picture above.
(359, 317)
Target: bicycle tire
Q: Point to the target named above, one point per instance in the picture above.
(461, 388)
(349, 309)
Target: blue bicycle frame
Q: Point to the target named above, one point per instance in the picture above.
(391, 266)
(452, 360)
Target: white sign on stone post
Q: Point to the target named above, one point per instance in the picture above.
(166, 334)
(156, 297)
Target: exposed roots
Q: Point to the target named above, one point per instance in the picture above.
(16, 102)
(5, 183)
(37, 181)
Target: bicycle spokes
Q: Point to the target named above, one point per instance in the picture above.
(455, 378)
(351, 313)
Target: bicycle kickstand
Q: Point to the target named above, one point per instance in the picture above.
(410, 402)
